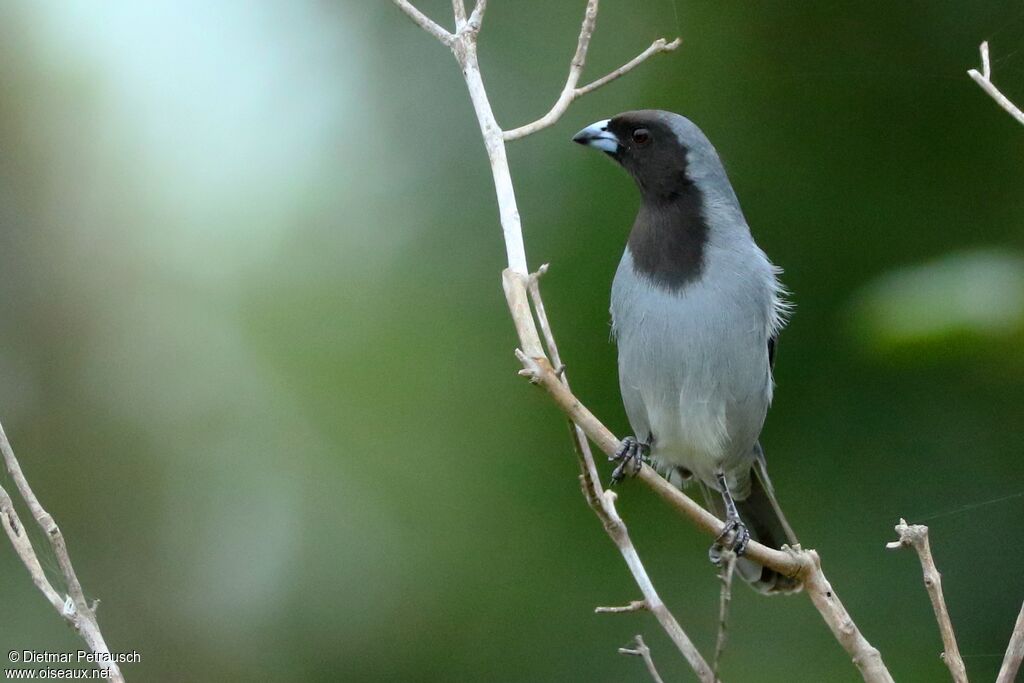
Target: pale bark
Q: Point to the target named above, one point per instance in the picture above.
(916, 536)
(74, 608)
(984, 79)
(1014, 652)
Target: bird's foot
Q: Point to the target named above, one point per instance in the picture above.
(734, 537)
(631, 456)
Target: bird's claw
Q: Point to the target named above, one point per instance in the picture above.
(734, 537)
(631, 455)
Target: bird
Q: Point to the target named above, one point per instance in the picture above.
(697, 308)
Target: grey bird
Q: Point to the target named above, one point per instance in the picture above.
(696, 311)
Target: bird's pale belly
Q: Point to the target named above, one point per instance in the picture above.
(696, 419)
(694, 378)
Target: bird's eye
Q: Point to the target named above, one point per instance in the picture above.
(641, 136)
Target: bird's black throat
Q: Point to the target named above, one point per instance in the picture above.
(669, 237)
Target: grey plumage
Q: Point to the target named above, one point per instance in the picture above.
(694, 304)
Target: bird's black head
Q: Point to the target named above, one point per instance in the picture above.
(677, 170)
(648, 145)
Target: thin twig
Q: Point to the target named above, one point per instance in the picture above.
(23, 547)
(641, 650)
(660, 45)
(459, 10)
(476, 19)
(569, 91)
(916, 536)
(590, 480)
(616, 529)
(425, 22)
(984, 79)
(725, 597)
(1014, 652)
(79, 614)
(633, 606)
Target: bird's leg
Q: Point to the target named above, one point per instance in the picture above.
(632, 454)
(735, 535)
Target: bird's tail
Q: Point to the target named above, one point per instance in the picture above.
(767, 524)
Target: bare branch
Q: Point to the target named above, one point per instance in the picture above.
(633, 606)
(1014, 652)
(641, 650)
(865, 657)
(660, 45)
(476, 19)
(425, 22)
(23, 547)
(533, 287)
(725, 597)
(617, 530)
(459, 10)
(984, 79)
(579, 59)
(916, 536)
(570, 92)
(79, 614)
(508, 209)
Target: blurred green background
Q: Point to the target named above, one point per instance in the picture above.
(255, 358)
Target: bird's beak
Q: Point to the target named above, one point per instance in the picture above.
(598, 136)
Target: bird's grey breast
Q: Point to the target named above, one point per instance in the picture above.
(693, 361)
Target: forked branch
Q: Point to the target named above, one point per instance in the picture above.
(570, 91)
(984, 79)
(916, 536)
(642, 651)
(74, 608)
(425, 22)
